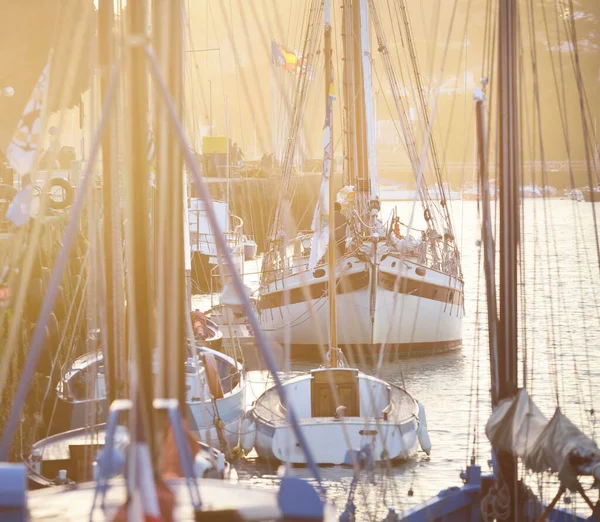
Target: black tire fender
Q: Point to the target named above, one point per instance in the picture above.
(69, 193)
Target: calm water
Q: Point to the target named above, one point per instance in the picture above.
(561, 333)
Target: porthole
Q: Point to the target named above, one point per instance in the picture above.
(420, 271)
(393, 264)
(319, 272)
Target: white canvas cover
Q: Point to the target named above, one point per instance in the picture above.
(320, 223)
(517, 426)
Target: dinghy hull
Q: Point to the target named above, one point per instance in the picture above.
(329, 440)
(339, 410)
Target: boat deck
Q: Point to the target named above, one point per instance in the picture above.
(74, 503)
(268, 407)
(58, 447)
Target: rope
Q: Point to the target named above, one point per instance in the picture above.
(341, 358)
(220, 426)
(496, 504)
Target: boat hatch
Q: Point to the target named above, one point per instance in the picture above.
(323, 400)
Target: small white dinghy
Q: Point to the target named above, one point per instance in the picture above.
(340, 409)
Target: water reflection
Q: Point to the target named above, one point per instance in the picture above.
(560, 340)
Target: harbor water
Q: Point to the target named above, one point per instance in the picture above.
(560, 346)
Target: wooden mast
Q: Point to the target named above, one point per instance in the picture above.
(509, 166)
(329, 147)
(170, 280)
(140, 296)
(105, 58)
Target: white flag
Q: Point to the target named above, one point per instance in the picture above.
(21, 152)
(19, 211)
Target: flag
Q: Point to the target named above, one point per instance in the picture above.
(320, 223)
(19, 210)
(285, 58)
(22, 150)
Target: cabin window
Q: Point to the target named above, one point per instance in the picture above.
(319, 272)
(420, 271)
(393, 264)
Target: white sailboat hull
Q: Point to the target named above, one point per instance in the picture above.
(329, 441)
(425, 316)
(230, 409)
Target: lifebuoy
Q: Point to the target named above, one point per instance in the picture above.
(212, 376)
(68, 193)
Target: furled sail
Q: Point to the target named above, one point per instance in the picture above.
(517, 426)
(320, 225)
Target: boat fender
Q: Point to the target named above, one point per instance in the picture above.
(69, 194)
(13, 498)
(220, 463)
(108, 465)
(298, 500)
(422, 433)
(247, 433)
(201, 465)
(212, 376)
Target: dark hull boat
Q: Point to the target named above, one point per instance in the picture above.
(521, 437)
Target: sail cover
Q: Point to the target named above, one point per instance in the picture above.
(320, 221)
(518, 427)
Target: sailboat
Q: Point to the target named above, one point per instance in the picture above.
(340, 408)
(402, 292)
(148, 491)
(215, 390)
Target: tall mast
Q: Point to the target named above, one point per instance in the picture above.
(171, 305)
(329, 152)
(105, 51)
(360, 121)
(509, 168)
(508, 132)
(140, 298)
(350, 160)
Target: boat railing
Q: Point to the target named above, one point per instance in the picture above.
(206, 242)
(440, 254)
(282, 261)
